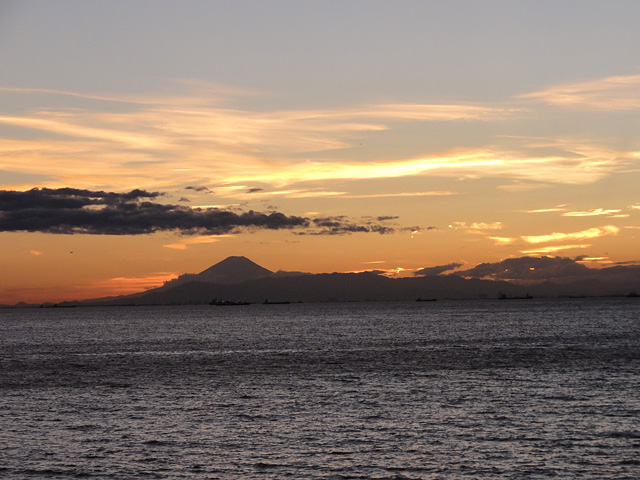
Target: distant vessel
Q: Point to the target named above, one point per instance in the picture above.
(633, 295)
(426, 299)
(504, 296)
(226, 303)
(269, 302)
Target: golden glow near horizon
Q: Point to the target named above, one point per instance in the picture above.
(536, 157)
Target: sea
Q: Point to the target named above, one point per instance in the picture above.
(483, 389)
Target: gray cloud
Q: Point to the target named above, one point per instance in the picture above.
(341, 225)
(78, 211)
(66, 198)
(198, 189)
(68, 211)
(434, 271)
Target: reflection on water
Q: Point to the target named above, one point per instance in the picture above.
(533, 389)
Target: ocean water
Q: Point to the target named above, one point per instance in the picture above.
(525, 389)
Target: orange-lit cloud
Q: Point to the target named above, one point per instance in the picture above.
(184, 244)
(388, 272)
(520, 186)
(503, 240)
(332, 170)
(559, 208)
(611, 93)
(590, 233)
(590, 213)
(476, 227)
(552, 249)
(66, 124)
(580, 165)
(186, 139)
(317, 193)
(599, 260)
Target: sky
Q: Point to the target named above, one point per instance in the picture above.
(143, 140)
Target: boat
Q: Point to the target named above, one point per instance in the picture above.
(504, 296)
(269, 302)
(426, 299)
(226, 303)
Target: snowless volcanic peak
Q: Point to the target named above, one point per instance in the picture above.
(234, 270)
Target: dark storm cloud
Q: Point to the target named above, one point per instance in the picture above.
(433, 271)
(529, 268)
(68, 210)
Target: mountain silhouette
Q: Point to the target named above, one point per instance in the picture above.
(240, 279)
(233, 270)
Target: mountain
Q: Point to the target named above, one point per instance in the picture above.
(240, 279)
(230, 271)
(323, 287)
(233, 270)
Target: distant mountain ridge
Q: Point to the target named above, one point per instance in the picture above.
(239, 279)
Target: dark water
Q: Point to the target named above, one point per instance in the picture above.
(526, 389)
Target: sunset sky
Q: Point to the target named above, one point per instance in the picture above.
(314, 136)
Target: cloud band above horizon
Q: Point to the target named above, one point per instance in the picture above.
(81, 211)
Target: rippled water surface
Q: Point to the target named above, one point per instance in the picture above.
(525, 389)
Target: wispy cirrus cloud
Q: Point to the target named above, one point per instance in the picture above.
(253, 193)
(193, 121)
(476, 227)
(594, 212)
(559, 208)
(503, 240)
(194, 138)
(587, 234)
(579, 166)
(67, 125)
(553, 249)
(621, 92)
(183, 244)
(206, 93)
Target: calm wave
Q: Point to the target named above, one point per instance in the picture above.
(437, 390)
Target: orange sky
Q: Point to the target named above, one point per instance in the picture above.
(513, 139)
